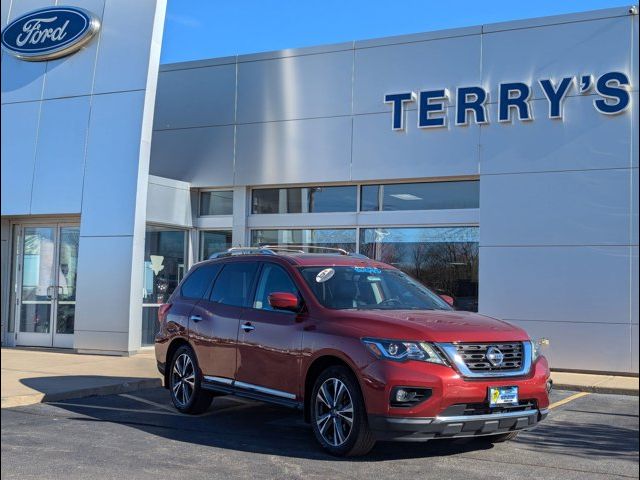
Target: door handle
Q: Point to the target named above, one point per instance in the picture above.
(195, 318)
(247, 327)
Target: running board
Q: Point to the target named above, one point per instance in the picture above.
(253, 392)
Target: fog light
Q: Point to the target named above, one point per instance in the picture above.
(403, 395)
(408, 396)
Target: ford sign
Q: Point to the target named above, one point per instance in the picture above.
(49, 33)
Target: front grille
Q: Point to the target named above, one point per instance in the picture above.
(474, 356)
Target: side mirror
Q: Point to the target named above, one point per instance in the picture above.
(447, 298)
(284, 301)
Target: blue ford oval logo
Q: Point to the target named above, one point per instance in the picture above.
(49, 33)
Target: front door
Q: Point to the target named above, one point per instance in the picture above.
(46, 275)
(269, 340)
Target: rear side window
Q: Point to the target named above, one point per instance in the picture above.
(196, 284)
(233, 285)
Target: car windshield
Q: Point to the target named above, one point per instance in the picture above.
(369, 288)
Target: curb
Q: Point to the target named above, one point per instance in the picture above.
(22, 400)
(596, 389)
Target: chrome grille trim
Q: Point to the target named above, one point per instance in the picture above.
(473, 355)
(455, 355)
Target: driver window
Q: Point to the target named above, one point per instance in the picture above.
(272, 279)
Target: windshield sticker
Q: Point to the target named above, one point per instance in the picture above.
(325, 275)
(374, 279)
(367, 270)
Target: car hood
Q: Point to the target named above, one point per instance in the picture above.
(431, 325)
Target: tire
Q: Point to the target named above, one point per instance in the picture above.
(341, 426)
(185, 380)
(503, 437)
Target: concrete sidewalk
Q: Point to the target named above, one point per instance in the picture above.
(38, 375)
(584, 382)
(34, 375)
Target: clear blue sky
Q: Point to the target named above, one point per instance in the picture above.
(197, 29)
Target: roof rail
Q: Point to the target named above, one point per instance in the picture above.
(274, 249)
(341, 251)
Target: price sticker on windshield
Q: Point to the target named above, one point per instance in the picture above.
(371, 270)
(325, 275)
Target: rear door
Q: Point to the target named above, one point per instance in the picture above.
(269, 340)
(215, 320)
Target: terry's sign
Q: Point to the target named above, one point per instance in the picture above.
(49, 33)
(612, 97)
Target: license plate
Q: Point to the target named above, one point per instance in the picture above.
(503, 396)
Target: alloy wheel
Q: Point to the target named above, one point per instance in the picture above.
(183, 379)
(334, 412)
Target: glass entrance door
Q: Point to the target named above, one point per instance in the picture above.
(46, 284)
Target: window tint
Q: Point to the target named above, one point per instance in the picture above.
(333, 238)
(233, 285)
(216, 203)
(196, 284)
(304, 200)
(214, 242)
(421, 196)
(273, 279)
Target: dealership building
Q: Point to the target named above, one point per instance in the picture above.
(498, 164)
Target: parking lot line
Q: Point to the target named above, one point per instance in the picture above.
(564, 401)
(148, 402)
(117, 409)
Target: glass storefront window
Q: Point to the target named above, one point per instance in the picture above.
(444, 259)
(164, 267)
(334, 238)
(420, 196)
(217, 202)
(304, 200)
(214, 241)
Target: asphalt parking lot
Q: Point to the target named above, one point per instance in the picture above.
(140, 436)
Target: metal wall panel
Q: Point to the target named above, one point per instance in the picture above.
(73, 75)
(584, 139)
(111, 174)
(5, 7)
(382, 153)
(572, 284)
(201, 156)
(59, 167)
(112, 278)
(124, 21)
(556, 208)
(196, 97)
(296, 151)
(565, 49)
(584, 346)
(168, 205)
(445, 63)
(295, 87)
(19, 139)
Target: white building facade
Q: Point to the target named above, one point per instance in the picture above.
(498, 164)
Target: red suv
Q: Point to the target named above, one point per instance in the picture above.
(365, 351)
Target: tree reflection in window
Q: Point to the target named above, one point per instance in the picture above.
(443, 259)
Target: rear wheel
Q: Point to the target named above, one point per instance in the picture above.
(185, 383)
(338, 415)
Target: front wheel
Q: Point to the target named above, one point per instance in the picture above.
(338, 415)
(184, 383)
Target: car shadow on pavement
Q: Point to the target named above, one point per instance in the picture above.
(586, 440)
(255, 427)
(60, 387)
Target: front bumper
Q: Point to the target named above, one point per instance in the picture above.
(414, 429)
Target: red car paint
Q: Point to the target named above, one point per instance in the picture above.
(283, 348)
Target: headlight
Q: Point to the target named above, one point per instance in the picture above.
(401, 351)
(536, 348)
